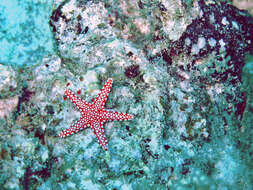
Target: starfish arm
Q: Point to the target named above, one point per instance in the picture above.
(113, 115)
(76, 127)
(98, 130)
(80, 104)
(99, 102)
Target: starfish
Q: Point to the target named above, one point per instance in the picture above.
(94, 115)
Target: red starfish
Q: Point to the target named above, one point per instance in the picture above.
(94, 115)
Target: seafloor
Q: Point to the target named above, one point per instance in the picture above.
(182, 68)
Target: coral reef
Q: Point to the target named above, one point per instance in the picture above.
(183, 69)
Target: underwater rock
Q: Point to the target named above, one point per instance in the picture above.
(8, 83)
(188, 124)
(221, 32)
(7, 106)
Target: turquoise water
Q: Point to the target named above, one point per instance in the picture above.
(25, 36)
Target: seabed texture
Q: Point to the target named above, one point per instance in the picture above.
(182, 68)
